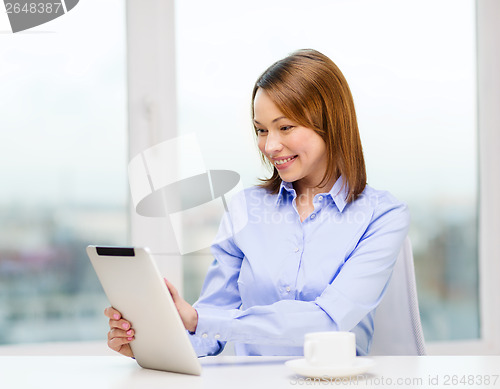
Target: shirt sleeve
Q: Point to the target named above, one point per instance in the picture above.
(355, 291)
(220, 288)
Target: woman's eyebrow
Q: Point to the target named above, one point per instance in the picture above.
(275, 120)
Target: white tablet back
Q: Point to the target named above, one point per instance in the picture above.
(134, 287)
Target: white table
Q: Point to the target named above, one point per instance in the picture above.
(96, 372)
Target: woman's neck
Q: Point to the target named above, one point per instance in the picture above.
(306, 191)
(305, 197)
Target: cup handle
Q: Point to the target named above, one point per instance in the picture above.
(309, 351)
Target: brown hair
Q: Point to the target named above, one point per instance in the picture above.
(310, 89)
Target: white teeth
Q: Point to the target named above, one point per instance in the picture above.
(282, 161)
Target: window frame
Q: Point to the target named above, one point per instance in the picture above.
(152, 113)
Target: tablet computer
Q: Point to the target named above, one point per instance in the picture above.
(134, 286)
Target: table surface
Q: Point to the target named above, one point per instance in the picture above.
(119, 372)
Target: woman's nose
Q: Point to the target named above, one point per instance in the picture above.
(273, 143)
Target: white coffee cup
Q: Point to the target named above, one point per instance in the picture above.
(333, 348)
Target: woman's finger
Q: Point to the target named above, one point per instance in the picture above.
(116, 333)
(112, 313)
(120, 324)
(121, 345)
(173, 291)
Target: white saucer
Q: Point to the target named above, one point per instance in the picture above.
(360, 366)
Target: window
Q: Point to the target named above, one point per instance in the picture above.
(63, 158)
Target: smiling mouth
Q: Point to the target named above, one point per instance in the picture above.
(281, 162)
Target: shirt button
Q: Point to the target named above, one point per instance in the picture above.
(296, 249)
(217, 336)
(287, 289)
(313, 216)
(320, 198)
(204, 336)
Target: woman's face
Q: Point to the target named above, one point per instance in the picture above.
(298, 153)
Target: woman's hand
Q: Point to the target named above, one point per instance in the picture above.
(120, 333)
(188, 314)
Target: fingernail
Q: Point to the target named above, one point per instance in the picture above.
(129, 332)
(125, 325)
(130, 338)
(116, 316)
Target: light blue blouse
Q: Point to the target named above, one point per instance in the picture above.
(275, 278)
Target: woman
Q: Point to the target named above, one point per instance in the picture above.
(310, 249)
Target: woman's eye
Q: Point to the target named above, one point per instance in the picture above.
(285, 128)
(260, 131)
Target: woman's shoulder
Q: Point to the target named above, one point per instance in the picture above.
(257, 192)
(382, 202)
(249, 192)
(382, 196)
(253, 196)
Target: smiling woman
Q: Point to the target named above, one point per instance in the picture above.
(315, 254)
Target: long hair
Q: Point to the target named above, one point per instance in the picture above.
(310, 89)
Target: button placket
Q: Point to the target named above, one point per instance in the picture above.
(286, 282)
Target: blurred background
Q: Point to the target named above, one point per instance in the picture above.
(64, 142)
